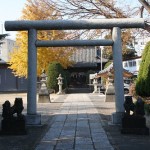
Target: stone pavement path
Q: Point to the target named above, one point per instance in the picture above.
(77, 126)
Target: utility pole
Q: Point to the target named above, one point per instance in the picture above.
(100, 57)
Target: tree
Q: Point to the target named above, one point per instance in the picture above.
(39, 10)
(54, 70)
(76, 9)
(145, 4)
(94, 9)
(88, 9)
(143, 80)
(128, 50)
(103, 9)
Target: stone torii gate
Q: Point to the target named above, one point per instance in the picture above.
(32, 26)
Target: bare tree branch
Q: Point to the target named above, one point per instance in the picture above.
(91, 9)
(145, 4)
(141, 11)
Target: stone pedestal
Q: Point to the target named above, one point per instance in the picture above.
(13, 126)
(117, 117)
(95, 84)
(13, 122)
(110, 91)
(44, 99)
(33, 119)
(110, 94)
(60, 88)
(134, 125)
(44, 96)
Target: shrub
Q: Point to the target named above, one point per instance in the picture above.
(54, 70)
(143, 80)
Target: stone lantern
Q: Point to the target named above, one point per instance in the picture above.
(110, 91)
(44, 96)
(95, 83)
(60, 83)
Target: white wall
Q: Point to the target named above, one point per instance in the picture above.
(7, 47)
(132, 65)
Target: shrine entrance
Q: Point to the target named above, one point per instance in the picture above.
(32, 26)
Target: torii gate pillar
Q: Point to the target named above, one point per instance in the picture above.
(118, 75)
(32, 118)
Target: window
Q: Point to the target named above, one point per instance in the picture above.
(125, 64)
(130, 63)
(134, 63)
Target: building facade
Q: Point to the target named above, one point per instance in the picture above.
(9, 82)
(132, 65)
(139, 43)
(85, 59)
(5, 48)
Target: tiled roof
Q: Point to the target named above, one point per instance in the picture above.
(110, 68)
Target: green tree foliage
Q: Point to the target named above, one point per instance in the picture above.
(107, 64)
(143, 80)
(54, 70)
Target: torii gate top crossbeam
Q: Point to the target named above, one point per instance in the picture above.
(74, 24)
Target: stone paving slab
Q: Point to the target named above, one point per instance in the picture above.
(77, 126)
(119, 141)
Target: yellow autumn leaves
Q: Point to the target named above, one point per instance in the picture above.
(38, 10)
